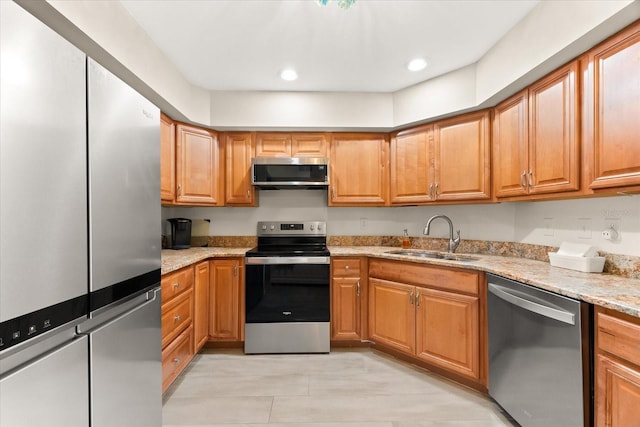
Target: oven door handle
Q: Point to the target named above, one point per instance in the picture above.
(287, 260)
(540, 308)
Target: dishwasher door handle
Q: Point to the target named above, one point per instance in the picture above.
(536, 307)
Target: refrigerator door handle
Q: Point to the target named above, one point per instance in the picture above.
(529, 305)
(134, 304)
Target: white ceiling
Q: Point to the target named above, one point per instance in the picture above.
(244, 44)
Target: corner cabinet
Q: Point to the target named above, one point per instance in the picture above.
(239, 149)
(226, 300)
(167, 160)
(536, 147)
(348, 290)
(611, 110)
(462, 158)
(617, 369)
(199, 175)
(358, 170)
(435, 314)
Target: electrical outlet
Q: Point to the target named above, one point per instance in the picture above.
(548, 226)
(584, 228)
(363, 223)
(611, 229)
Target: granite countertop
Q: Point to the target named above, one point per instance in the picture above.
(615, 292)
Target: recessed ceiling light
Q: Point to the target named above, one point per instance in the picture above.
(417, 64)
(288, 74)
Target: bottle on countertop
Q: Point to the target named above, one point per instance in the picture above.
(406, 243)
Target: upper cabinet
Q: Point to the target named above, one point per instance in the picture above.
(536, 138)
(411, 167)
(280, 144)
(239, 149)
(167, 159)
(462, 154)
(611, 126)
(199, 173)
(358, 170)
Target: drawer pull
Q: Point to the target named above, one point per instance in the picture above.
(176, 360)
(358, 289)
(176, 285)
(346, 267)
(177, 318)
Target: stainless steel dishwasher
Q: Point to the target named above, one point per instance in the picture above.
(539, 355)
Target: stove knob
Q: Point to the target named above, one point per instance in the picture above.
(272, 227)
(264, 227)
(311, 227)
(319, 227)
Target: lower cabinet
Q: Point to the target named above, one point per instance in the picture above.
(430, 313)
(617, 369)
(226, 300)
(201, 306)
(348, 290)
(177, 323)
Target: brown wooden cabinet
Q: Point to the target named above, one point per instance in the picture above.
(273, 144)
(411, 167)
(358, 170)
(226, 300)
(431, 313)
(617, 369)
(201, 305)
(199, 174)
(309, 145)
(167, 160)
(348, 290)
(177, 323)
(536, 138)
(462, 158)
(281, 144)
(239, 150)
(611, 111)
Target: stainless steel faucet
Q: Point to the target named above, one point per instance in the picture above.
(453, 243)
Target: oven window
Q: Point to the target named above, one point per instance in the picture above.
(287, 293)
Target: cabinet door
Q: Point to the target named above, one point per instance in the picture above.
(448, 332)
(617, 394)
(345, 308)
(358, 170)
(392, 314)
(167, 159)
(612, 108)
(224, 300)
(553, 133)
(511, 146)
(309, 145)
(201, 306)
(462, 158)
(239, 150)
(199, 178)
(411, 164)
(273, 144)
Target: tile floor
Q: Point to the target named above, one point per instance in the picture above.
(350, 388)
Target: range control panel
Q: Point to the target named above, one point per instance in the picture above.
(304, 228)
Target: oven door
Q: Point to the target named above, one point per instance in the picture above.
(287, 289)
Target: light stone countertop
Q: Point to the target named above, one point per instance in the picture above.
(606, 290)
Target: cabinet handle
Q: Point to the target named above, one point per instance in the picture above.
(346, 267)
(523, 180)
(248, 193)
(358, 288)
(411, 298)
(431, 190)
(235, 270)
(176, 285)
(418, 299)
(177, 318)
(176, 360)
(436, 191)
(530, 179)
(179, 190)
(333, 194)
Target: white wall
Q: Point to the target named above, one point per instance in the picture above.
(517, 222)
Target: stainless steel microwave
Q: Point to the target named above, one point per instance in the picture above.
(290, 172)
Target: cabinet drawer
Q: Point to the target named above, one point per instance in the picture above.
(346, 267)
(619, 337)
(176, 356)
(175, 283)
(175, 317)
(424, 275)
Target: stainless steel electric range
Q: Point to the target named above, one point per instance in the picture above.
(287, 289)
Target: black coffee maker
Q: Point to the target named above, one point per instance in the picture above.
(180, 233)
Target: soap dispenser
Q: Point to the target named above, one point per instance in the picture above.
(406, 243)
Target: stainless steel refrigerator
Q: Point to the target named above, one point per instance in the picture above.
(79, 237)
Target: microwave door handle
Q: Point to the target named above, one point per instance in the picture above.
(535, 307)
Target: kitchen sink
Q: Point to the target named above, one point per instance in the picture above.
(433, 254)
